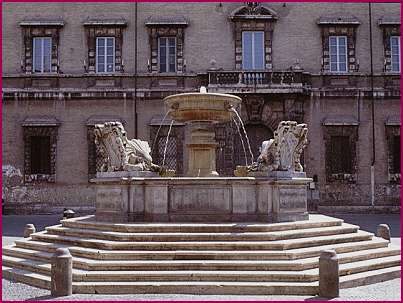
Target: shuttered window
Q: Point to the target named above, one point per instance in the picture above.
(395, 53)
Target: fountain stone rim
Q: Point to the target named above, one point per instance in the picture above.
(181, 111)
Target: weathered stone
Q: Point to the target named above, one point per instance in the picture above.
(283, 152)
(68, 214)
(328, 274)
(28, 230)
(120, 153)
(383, 231)
(62, 273)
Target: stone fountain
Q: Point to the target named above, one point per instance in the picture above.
(132, 188)
(106, 255)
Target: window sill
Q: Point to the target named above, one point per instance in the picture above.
(392, 73)
(343, 178)
(42, 75)
(40, 178)
(341, 73)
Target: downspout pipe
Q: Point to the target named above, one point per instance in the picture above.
(135, 72)
(372, 108)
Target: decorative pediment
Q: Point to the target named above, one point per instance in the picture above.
(253, 10)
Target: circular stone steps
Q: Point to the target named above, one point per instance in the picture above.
(291, 254)
(198, 258)
(88, 222)
(182, 236)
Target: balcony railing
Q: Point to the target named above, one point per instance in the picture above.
(257, 78)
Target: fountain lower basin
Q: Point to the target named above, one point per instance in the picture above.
(209, 199)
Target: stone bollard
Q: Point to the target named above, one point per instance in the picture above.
(68, 214)
(62, 273)
(28, 230)
(383, 231)
(328, 274)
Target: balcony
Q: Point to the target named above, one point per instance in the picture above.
(257, 81)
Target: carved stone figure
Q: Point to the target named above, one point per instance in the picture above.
(120, 153)
(283, 152)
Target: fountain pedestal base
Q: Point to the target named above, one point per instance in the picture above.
(202, 151)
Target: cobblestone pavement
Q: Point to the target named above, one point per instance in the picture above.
(386, 291)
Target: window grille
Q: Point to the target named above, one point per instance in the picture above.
(340, 155)
(40, 155)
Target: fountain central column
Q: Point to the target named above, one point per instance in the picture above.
(201, 111)
(202, 150)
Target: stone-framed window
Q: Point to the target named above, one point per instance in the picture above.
(334, 30)
(174, 148)
(107, 32)
(40, 148)
(392, 128)
(341, 136)
(95, 161)
(166, 39)
(391, 42)
(252, 23)
(41, 46)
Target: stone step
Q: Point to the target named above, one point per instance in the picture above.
(366, 265)
(235, 275)
(177, 237)
(297, 253)
(88, 222)
(197, 288)
(178, 287)
(209, 245)
(370, 277)
(41, 267)
(26, 277)
(274, 288)
(234, 288)
(290, 265)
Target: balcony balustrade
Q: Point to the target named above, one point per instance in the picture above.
(259, 79)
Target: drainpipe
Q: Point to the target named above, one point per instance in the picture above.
(135, 72)
(372, 109)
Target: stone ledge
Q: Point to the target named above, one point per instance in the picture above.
(359, 209)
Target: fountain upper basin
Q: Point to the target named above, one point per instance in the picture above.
(202, 106)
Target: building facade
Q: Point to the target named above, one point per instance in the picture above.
(68, 66)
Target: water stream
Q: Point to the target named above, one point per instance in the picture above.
(243, 144)
(159, 128)
(166, 142)
(244, 131)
